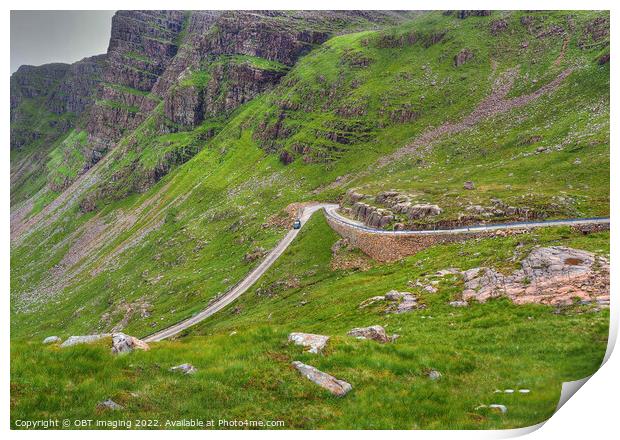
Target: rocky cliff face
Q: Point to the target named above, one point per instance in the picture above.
(230, 57)
(185, 69)
(64, 88)
(34, 82)
(75, 93)
(142, 43)
(180, 69)
(61, 89)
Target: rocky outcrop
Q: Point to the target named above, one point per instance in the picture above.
(498, 26)
(550, 275)
(463, 57)
(122, 343)
(401, 302)
(76, 91)
(142, 44)
(374, 332)
(231, 83)
(86, 339)
(314, 343)
(202, 65)
(63, 87)
(397, 302)
(398, 203)
(109, 404)
(458, 303)
(372, 216)
(335, 386)
(66, 90)
(52, 340)
(238, 55)
(30, 82)
(479, 13)
(255, 254)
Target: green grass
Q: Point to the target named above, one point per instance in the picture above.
(197, 78)
(187, 206)
(234, 182)
(130, 90)
(248, 375)
(137, 56)
(67, 160)
(29, 162)
(118, 105)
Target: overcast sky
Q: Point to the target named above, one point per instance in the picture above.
(40, 37)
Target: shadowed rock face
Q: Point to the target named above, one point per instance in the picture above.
(224, 46)
(35, 81)
(58, 88)
(142, 44)
(63, 87)
(75, 93)
(553, 275)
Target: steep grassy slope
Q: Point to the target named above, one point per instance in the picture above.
(243, 359)
(144, 261)
(28, 164)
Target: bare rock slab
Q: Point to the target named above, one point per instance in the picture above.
(398, 302)
(402, 302)
(122, 343)
(109, 404)
(184, 368)
(549, 275)
(374, 332)
(335, 386)
(52, 340)
(84, 339)
(314, 343)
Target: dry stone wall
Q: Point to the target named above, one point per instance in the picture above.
(392, 247)
(386, 246)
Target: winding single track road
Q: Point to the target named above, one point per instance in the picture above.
(245, 284)
(332, 213)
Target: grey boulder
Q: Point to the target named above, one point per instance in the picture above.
(314, 343)
(374, 332)
(84, 339)
(52, 340)
(335, 386)
(109, 404)
(122, 343)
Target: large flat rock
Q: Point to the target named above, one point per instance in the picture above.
(314, 343)
(335, 386)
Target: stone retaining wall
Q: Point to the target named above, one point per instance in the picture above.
(385, 247)
(392, 247)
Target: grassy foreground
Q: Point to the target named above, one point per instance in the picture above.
(243, 359)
